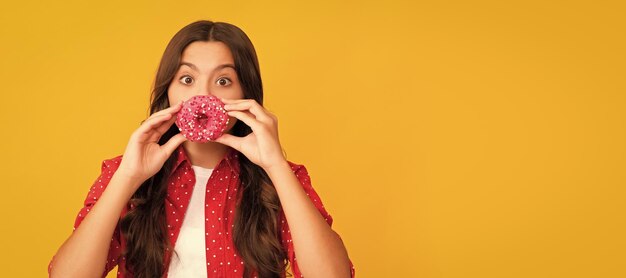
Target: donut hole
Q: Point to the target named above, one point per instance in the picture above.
(203, 120)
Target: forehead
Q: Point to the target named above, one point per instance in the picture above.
(207, 55)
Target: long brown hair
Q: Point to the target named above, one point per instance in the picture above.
(255, 232)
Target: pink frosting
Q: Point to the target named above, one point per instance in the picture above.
(202, 118)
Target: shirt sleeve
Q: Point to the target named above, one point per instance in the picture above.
(303, 176)
(109, 166)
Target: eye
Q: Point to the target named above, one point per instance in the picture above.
(186, 78)
(224, 81)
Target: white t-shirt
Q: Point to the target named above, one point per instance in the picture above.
(190, 245)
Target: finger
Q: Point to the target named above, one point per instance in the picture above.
(257, 110)
(173, 143)
(151, 123)
(164, 127)
(169, 110)
(230, 140)
(247, 118)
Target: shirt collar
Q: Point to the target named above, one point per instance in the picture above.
(230, 159)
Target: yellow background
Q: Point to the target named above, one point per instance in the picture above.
(447, 139)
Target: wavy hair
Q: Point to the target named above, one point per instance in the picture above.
(255, 231)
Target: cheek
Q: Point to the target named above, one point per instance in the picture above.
(232, 92)
(170, 96)
(173, 96)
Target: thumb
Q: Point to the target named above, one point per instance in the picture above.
(230, 140)
(173, 143)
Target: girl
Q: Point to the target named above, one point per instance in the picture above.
(234, 207)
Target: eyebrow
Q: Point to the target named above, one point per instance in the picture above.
(194, 67)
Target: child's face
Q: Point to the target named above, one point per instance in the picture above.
(214, 74)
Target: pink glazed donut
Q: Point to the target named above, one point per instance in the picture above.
(202, 118)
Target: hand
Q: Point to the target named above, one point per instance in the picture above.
(144, 157)
(262, 146)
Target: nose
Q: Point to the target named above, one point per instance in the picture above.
(204, 88)
(204, 92)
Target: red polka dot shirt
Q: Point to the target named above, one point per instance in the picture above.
(222, 257)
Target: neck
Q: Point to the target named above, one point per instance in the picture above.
(205, 155)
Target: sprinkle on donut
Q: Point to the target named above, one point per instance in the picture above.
(202, 118)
